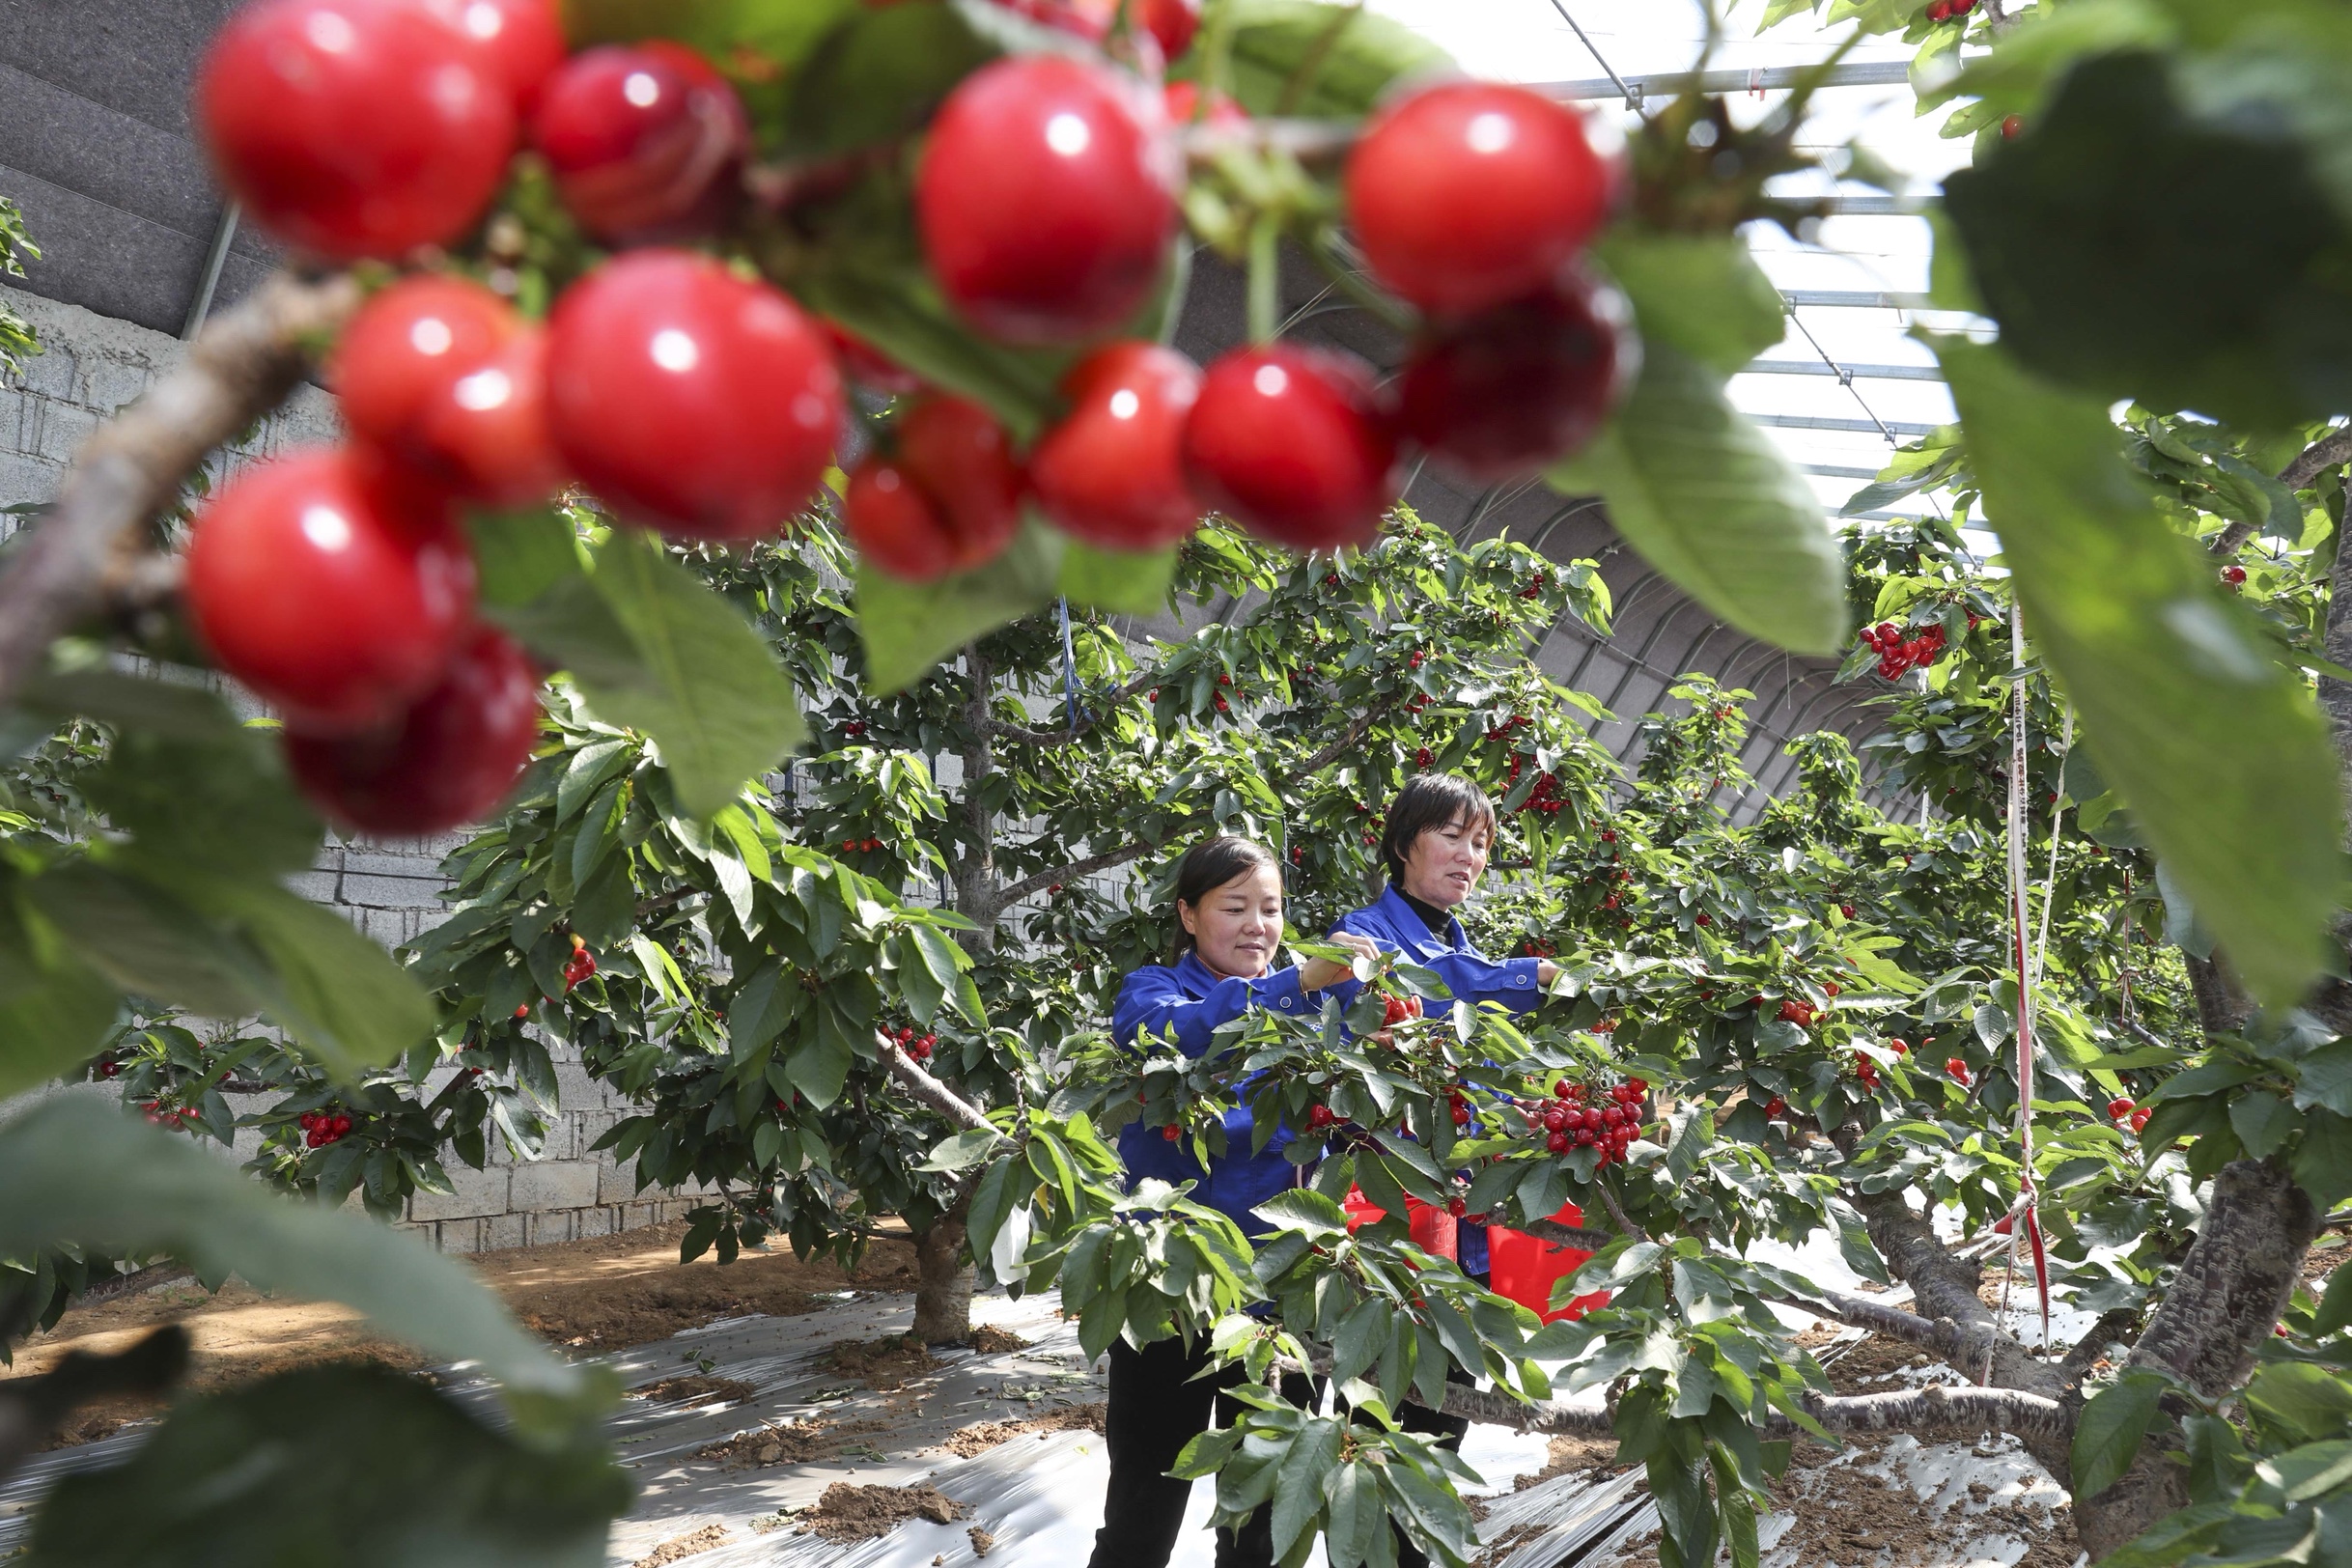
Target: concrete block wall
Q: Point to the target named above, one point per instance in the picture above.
(93, 365)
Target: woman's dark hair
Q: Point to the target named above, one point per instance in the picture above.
(1208, 867)
(1429, 800)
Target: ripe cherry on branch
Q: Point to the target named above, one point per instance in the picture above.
(332, 584)
(646, 142)
(1045, 198)
(522, 41)
(448, 760)
(946, 501)
(441, 374)
(1468, 195)
(1500, 394)
(1294, 443)
(354, 127)
(1112, 471)
(688, 398)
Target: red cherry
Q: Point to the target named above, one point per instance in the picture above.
(1317, 1115)
(522, 1009)
(1171, 1133)
(1457, 1207)
(688, 398)
(1504, 392)
(893, 525)
(646, 141)
(353, 127)
(1182, 102)
(449, 759)
(948, 501)
(1173, 22)
(867, 365)
(1557, 1143)
(2119, 1108)
(1776, 1108)
(1555, 1118)
(406, 345)
(1112, 471)
(1045, 198)
(2233, 575)
(343, 1125)
(2139, 1119)
(492, 431)
(1392, 1011)
(520, 40)
(331, 585)
(1468, 194)
(1295, 444)
(2010, 125)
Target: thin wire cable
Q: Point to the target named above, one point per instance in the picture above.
(1633, 99)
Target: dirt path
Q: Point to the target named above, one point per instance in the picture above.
(590, 1297)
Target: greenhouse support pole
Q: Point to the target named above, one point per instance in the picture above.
(2020, 924)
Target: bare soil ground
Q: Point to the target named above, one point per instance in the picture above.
(848, 1512)
(590, 1296)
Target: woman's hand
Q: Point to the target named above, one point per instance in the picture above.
(1318, 972)
(1546, 971)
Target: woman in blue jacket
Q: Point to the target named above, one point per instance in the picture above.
(1439, 831)
(1229, 905)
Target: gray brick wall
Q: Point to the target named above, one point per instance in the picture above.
(91, 366)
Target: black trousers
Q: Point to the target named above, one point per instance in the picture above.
(1154, 1408)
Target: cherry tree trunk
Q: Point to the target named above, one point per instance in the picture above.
(2231, 1290)
(943, 1285)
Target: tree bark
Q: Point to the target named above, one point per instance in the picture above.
(942, 1284)
(2228, 1294)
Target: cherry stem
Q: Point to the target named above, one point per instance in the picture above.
(1265, 279)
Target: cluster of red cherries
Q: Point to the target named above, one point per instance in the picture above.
(857, 846)
(917, 1046)
(1946, 11)
(2123, 1110)
(694, 400)
(1588, 1117)
(580, 965)
(318, 1129)
(1899, 654)
(174, 1118)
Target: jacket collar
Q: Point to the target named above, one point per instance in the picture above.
(1413, 933)
(1198, 978)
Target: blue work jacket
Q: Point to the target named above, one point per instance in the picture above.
(1191, 1001)
(1470, 976)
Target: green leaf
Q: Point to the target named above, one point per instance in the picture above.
(963, 1151)
(145, 941)
(819, 1065)
(2262, 1121)
(781, 31)
(1125, 582)
(1305, 1211)
(1709, 500)
(1701, 294)
(161, 1195)
(327, 984)
(2219, 750)
(2073, 236)
(390, 1472)
(1297, 1494)
(53, 1016)
(521, 556)
(2322, 1161)
(654, 649)
(908, 627)
(876, 77)
(1300, 57)
(2108, 1435)
(221, 806)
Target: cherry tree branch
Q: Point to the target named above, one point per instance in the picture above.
(1945, 1287)
(2327, 452)
(1931, 1412)
(927, 1090)
(1068, 734)
(86, 549)
(1014, 892)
